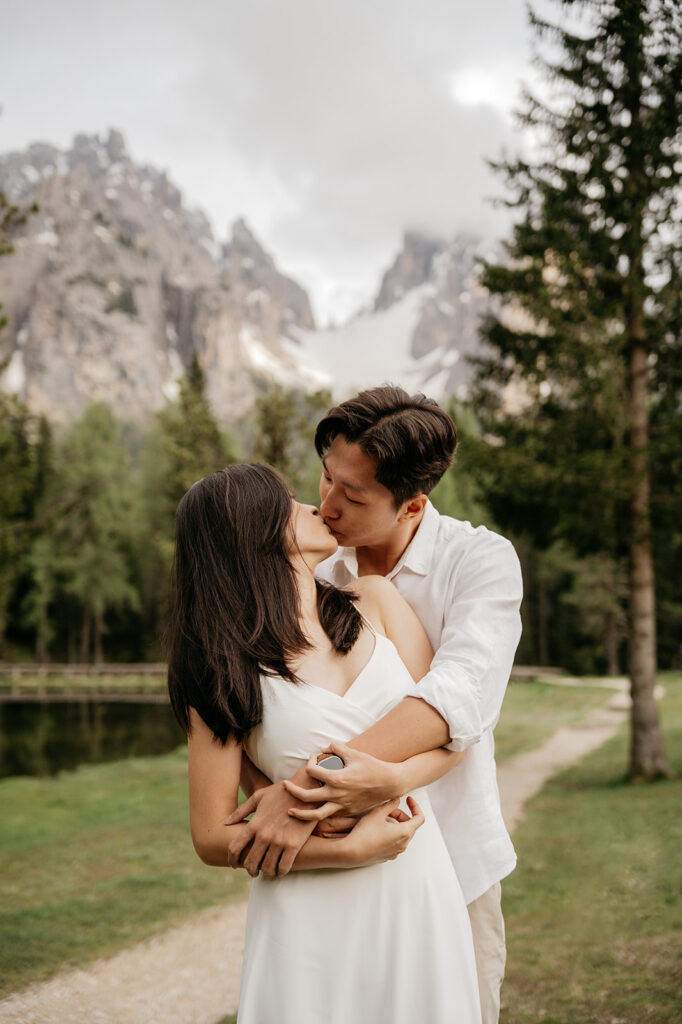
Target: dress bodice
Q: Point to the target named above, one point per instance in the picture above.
(301, 718)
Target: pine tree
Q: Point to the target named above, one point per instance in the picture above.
(589, 321)
(188, 440)
(185, 444)
(17, 475)
(84, 553)
(459, 493)
(15, 453)
(37, 606)
(43, 567)
(285, 424)
(277, 422)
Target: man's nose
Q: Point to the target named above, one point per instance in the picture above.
(327, 507)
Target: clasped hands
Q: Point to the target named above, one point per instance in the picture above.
(286, 813)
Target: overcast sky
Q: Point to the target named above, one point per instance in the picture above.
(330, 126)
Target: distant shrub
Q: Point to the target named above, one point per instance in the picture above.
(124, 302)
(96, 282)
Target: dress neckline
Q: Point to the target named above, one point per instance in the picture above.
(342, 696)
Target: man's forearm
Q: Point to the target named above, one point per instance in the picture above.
(213, 849)
(411, 727)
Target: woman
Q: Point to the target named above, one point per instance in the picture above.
(265, 660)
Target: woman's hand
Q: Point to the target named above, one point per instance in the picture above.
(364, 782)
(383, 833)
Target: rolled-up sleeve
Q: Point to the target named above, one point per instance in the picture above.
(481, 630)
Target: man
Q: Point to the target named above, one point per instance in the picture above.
(383, 452)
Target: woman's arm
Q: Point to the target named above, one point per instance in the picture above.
(214, 771)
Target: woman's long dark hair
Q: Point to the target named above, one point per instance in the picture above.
(236, 607)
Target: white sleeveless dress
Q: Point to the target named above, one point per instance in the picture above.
(385, 944)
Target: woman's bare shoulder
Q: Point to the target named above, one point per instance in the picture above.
(368, 586)
(375, 595)
(374, 591)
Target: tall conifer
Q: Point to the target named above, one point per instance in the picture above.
(589, 302)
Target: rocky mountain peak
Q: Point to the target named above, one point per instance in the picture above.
(115, 283)
(251, 271)
(245, 244)
(116, 146)
(412, 267)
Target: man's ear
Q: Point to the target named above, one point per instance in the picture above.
(413, 507)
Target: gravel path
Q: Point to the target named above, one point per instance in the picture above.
(190, 975)
(521, 777)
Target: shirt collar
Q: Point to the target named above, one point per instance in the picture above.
(419, 553)
(348, 559)
(417, 556)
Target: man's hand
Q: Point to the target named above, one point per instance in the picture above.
(270, 841)
(364, 782)
(337, 825)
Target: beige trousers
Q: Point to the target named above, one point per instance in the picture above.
(487, 927)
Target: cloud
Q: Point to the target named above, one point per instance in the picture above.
(330, 125)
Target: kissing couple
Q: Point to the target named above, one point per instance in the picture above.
(378, 635)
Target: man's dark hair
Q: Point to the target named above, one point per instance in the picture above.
(236, 604)
(410, 437)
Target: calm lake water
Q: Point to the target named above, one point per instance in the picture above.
(45, 737)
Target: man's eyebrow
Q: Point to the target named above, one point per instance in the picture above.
(347, 483)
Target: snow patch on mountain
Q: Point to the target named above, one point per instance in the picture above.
(372, 349)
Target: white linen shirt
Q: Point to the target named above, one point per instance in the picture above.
(464, 583)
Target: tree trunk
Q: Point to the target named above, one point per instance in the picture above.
(71, 642)
(99, 657)
(41, 638)
(647, 759)
(85, 635)
(4, 601)
(543, 621)
(611, 644)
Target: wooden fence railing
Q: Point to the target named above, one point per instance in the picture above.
(26, 668)
(16, 669)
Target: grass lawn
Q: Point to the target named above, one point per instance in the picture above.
(94, 860)
(532, 712)
(594, 909)
(77, 683)
(97, 859)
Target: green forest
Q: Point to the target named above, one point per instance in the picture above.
(87, 522)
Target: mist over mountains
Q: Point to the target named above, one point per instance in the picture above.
(114, 285)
